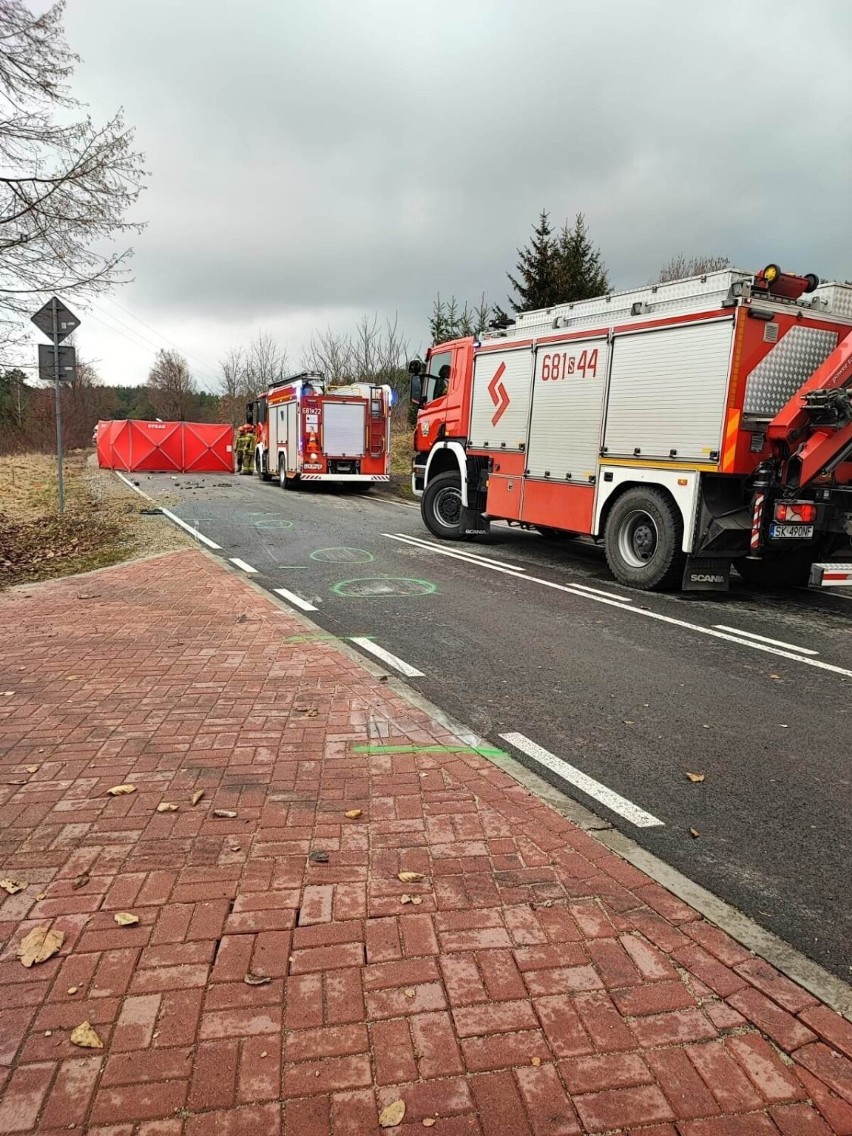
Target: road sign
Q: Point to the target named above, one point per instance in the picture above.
(66, 321)
(47, 363)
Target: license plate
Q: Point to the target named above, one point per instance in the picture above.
(790, 532)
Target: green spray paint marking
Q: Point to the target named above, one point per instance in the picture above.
(377, 587)
(483, 751)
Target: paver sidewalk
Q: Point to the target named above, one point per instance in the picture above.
(536, 984)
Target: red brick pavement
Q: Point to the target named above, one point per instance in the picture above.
(541, 986)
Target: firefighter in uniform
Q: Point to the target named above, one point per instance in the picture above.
(245, 449)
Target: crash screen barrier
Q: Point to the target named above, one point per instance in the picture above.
(165, 447)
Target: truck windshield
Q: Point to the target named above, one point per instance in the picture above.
(438, 375)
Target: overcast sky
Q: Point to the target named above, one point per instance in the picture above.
(312, 161)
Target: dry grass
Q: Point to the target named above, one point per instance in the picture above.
(103, 521)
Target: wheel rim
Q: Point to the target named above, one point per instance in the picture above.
(638, 538)
(447, 507)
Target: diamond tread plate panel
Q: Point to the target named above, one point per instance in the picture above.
(778, 376)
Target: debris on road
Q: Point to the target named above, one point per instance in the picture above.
(84, 1036)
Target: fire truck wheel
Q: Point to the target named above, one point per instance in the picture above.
(643, 540)
(441, 506)
(788, 571)
(283, 480)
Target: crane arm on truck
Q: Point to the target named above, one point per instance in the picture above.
(819, 418)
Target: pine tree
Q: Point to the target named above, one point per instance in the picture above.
(536, 286)
(580, 272)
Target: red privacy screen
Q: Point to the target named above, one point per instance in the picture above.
(165, 447)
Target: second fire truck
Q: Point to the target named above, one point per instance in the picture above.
(688, 426)
(306, 431)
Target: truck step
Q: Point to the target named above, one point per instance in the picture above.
(831, 575)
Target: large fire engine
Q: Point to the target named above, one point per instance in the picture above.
(305, 431)
(687, 425)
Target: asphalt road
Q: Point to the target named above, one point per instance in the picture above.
(632, 690)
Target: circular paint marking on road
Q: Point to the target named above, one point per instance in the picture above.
(378, 587)
(343, 555)
(273, 523)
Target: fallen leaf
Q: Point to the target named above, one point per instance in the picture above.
(428, 1121)
(318, 857)
(13, 886)
(73, 989)
(41, 895)
(391, 1117)
(410, 992)
(224, 814)
(167, 807)
(80, 881)
(535, 1061)
(40, 945)
(410, 877)
(256, 979)
(85, 1036)
(696, 777)
(694, 833)
(120, 790)
(196, 796)
(32, 769)
(405, 899)
(353, 814)
(125, 919)
(416, 900)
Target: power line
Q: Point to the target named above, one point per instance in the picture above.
(211, 371)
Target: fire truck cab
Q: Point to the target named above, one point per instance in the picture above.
(689, 426)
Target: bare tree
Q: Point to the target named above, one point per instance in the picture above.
(681, 266)
(379, 354)
(232, 384)
(330, 353)
(265, 363)
(171, 387)
(66, 185)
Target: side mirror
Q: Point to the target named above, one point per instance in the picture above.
(416, 395)
(415, 367)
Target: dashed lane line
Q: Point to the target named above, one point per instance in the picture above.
(392, 660)
(242, 564)
(292, 598)
(594, 789)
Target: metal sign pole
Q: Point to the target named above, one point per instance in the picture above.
(57, 389)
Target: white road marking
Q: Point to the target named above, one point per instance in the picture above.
(167, 513)
(430, 544)
(511, 570)
(656, 615)
(764, 639)
(392, 660)
(297, 601)
(580, 780)
(242, 564)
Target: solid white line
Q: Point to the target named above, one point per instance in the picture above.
(167, 513)
(242, 564)
(764, 639)
(392, 660)
(580, 780)
(660, 618)
(518, 573)
(294, 599)
(461, 552)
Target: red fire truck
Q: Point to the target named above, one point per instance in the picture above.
(305, 431)
(688, 426)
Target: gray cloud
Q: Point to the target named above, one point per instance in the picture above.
(367, 154)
